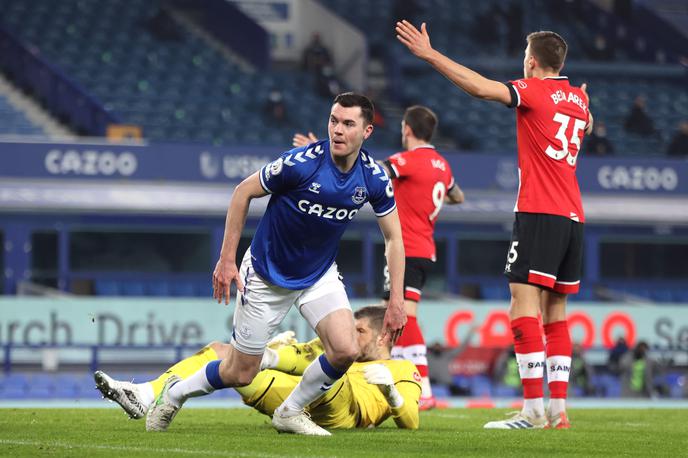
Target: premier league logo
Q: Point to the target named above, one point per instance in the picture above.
(275, 168)
(360, 195)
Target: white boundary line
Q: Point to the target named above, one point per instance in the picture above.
(124, 448)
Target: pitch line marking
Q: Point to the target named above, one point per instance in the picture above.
(123, 448)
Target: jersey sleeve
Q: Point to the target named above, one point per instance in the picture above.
(398, 165)
(278, 176)
(382, 194)
(523, 92)
(407, 416)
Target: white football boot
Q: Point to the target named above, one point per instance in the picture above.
(518, 420)
(163, 411)
(300, 423)
(126, 394)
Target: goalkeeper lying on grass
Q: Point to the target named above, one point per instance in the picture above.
(372, 390)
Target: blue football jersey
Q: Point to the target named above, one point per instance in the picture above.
(311, 204)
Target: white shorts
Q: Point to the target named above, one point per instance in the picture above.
(262, 306)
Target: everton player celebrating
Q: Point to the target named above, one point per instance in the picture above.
(315, 192)
(423, 182)
(545, 256)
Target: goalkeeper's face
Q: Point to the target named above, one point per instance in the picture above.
(369, 341)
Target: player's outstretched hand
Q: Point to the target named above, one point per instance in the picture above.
(418, 42)
(282, 339)
(224, 275)
(303, 140)
(394, 322)
(379, 374)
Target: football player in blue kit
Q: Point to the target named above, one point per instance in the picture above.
(315, 191)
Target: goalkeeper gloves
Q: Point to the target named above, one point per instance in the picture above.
(282, 339)
(378, 374)
(271, 356)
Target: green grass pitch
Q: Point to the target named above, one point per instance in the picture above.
(245, 433)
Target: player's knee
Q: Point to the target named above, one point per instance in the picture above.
(344, 357)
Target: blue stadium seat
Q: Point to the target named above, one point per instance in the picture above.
(132, 288)
(609, 384)
(182, 288)
(680, 295)
(66, 386)
(495, 292)
(503, 391)
(481, 385)
(676, 382)
(86, 387)
(158, 288)
(662, 294)
(462, 382)
(41, 386)
(13, 386)
(440, 390)
(106, 288)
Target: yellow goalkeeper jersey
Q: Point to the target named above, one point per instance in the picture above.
(352, 402)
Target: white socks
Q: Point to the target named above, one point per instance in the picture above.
(146, 393)
(191, 387)
(556, 406)
(533, 407)
(317, 380)
(425, 388)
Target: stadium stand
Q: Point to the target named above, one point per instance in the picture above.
(178, 90)
(14, 122)
(473, 124)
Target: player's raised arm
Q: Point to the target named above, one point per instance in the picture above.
(418, 42)
(395, 317)
(226, 271)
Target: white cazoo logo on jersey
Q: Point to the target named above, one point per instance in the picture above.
(314, 208)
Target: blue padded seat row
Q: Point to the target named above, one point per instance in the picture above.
(162, 288)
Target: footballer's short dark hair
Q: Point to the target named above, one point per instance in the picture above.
(548, 48)
(375, 315)
(351, 99)
(422, 121)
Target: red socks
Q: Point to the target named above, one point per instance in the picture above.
(559, 349)
(411, 346)
(530, 354)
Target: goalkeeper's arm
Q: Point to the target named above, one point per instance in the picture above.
(402, 399)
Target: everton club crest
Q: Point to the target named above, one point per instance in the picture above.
(360, 195)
